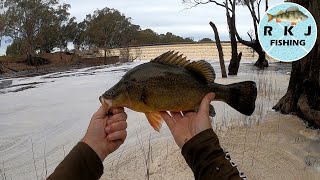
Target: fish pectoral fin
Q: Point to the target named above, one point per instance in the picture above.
(155, 120)
(278, 20)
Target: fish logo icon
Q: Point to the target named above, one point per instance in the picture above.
(287, 32)
(292, 15)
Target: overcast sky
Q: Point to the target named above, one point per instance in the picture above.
(169, 16)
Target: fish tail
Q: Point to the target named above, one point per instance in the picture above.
(270, 17)
(240, 96)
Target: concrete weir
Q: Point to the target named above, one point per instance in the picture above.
(194, 51)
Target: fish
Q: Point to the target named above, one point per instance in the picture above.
(170, 82)
(292, 15)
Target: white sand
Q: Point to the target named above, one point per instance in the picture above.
(266, 145)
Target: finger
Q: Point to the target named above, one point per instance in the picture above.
(186, 112)
(118, 135)
(168, 119)
(204, 106)
(118, 126)
(117, 118)
(101, 113)
(118, 143)
(117, 110)
(176, 115)
(190, 114)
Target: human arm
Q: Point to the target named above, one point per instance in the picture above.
(104, 135)
(200, 145)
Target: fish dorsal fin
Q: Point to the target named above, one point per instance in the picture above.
(171, 58)
(201, 67)
(293, 8)
(280, 12)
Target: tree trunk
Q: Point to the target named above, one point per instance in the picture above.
(219, 47)
(262, 61)
(105, 56)
(254, 43)
(61, 53)
(303, 94)
(235, 60)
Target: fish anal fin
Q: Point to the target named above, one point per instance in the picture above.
(293, 23)
(204, 69)
(155, 120)
(293, 8)
(278, 20)
(280, 12)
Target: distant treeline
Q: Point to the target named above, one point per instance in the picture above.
(38, 26)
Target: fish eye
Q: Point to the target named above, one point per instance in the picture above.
(112, 93)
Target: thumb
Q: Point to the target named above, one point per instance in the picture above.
(205, 103)
(101, 113)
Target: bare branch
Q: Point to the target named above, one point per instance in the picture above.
(222, 5)
(250, 36)
(242, 41)
(195, 3)
(267, 5)
(258, 6)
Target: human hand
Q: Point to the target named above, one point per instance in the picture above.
(106, 133)
(184, 127)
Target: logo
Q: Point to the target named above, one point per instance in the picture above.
(287, 32)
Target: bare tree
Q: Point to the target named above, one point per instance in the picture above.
(303, 94)
(254, 8)
(230, 7)
(219, 47)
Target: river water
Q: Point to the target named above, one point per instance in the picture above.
(43, 117)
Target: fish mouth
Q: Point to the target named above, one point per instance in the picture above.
(107, 103)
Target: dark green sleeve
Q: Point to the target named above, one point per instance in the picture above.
(81, 163)
(207, 159)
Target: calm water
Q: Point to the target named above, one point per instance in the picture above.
(44, 116)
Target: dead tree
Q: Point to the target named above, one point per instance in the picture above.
(303, 94)
(219, 47)
(229, 5)
(235, 57)
(253, 6)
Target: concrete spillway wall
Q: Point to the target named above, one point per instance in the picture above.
(193, 51)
